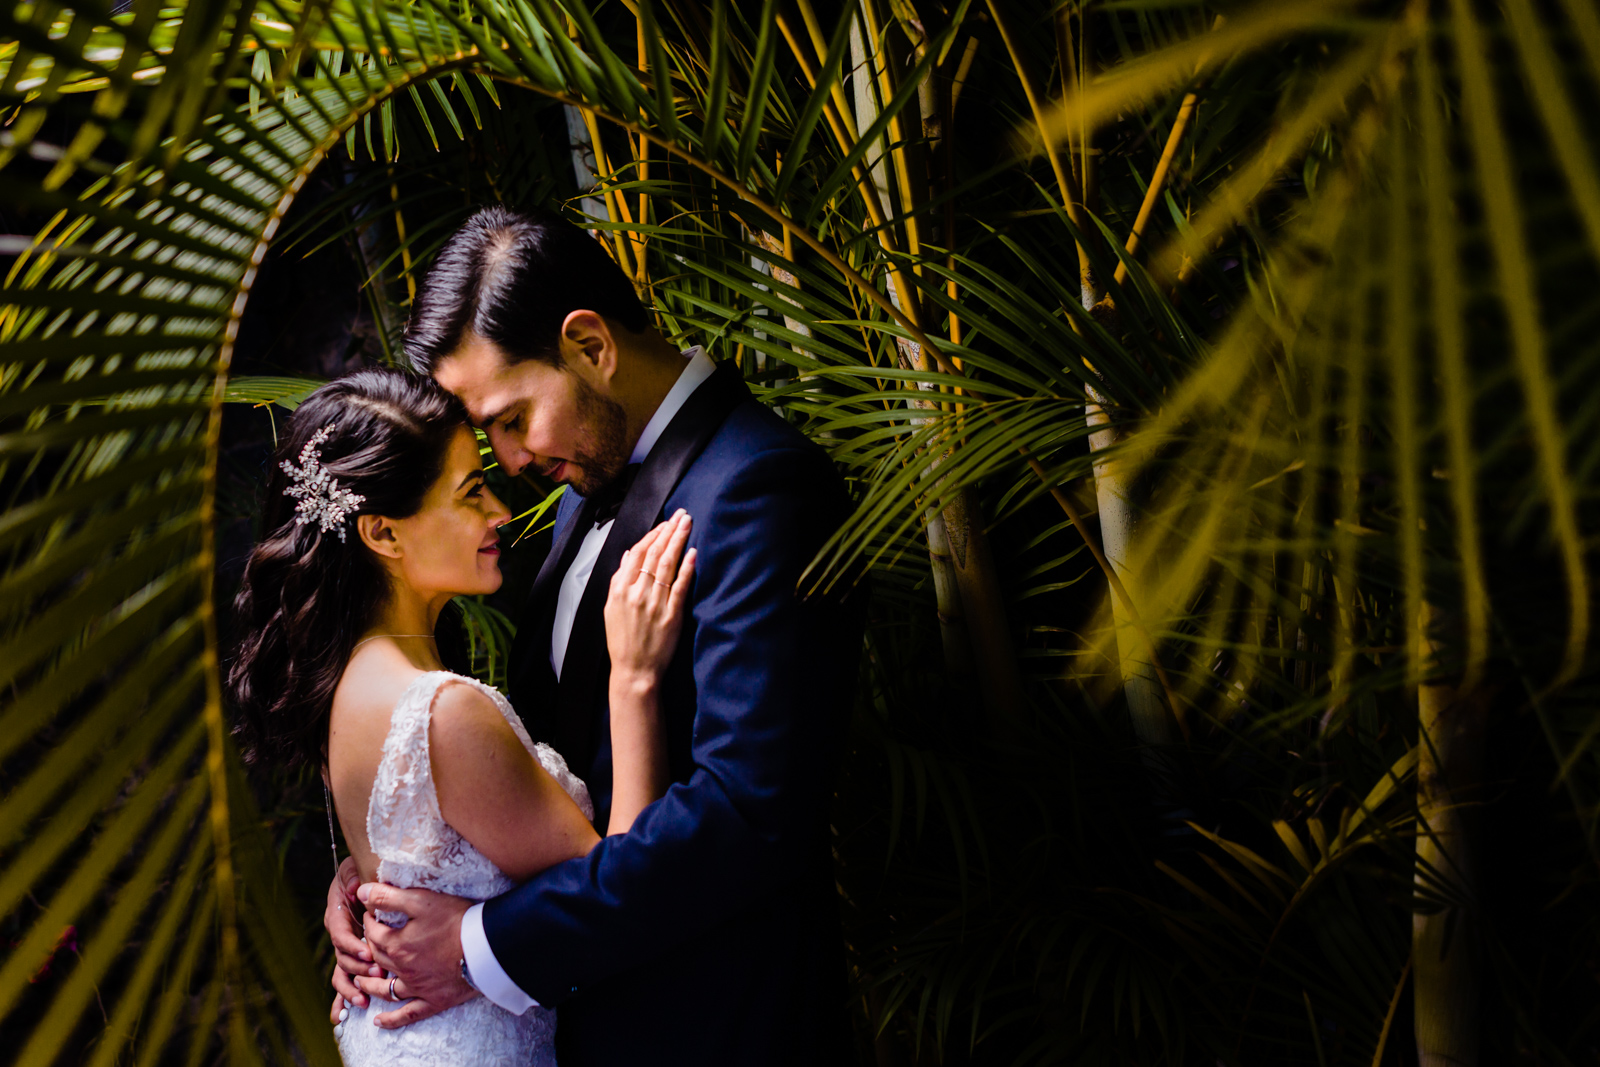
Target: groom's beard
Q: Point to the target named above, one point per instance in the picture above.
(604, 427)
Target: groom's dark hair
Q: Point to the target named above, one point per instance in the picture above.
(512, 278)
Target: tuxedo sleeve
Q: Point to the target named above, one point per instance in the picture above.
(771, 670)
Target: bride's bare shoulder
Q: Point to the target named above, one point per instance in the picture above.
(466, 723)
(372, 683)
(494, 792)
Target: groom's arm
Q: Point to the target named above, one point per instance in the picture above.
(769, 671)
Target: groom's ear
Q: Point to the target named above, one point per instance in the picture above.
(378, 534)
(588, 347)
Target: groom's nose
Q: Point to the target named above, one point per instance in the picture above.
(512, 455)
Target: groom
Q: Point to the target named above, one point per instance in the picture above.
(708, 934)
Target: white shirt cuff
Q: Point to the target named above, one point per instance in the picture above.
(487, 974)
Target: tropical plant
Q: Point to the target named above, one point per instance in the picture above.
(1271, 318)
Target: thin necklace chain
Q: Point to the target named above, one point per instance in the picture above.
(327, 799)
(333, 842)
(374, 637)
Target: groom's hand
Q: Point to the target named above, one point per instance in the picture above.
(351, 956)
(425, 954)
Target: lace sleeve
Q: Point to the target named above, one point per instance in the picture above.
(404, 824)
(552, 761)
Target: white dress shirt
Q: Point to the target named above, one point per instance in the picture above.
(576, 579)
(487, 974)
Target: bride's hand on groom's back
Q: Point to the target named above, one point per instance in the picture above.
(644, 606)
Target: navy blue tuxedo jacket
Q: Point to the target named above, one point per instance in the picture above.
(709, 933)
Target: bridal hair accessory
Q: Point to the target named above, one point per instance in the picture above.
(321, 499)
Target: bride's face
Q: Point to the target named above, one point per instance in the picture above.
(451, 545)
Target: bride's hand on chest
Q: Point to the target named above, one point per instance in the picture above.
(645, 604)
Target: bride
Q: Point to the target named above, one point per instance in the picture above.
(376, 515)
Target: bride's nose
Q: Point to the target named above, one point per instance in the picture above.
(499, 514)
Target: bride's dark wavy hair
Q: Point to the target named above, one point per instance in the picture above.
(307, 596)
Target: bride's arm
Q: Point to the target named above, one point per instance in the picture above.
(494, 793)
(644, 614)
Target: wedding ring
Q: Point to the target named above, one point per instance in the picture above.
(392, 981)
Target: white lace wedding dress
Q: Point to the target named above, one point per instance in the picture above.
(416, 847)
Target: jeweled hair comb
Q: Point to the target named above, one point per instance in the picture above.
(321, 499)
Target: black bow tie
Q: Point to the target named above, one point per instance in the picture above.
(608, 498)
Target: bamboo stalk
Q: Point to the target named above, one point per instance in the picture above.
(978, 577)
(779, 274)
(1158, 181)
(953, 634)
(947, 96)
(962, 71)
(1067, 188)
(865, 113)
(844, 129)
(386, 316)
(400, 233)
(616, 204)
(1144, 682)
(844, 135)
(820, 45)
(642, 155)
(971, 607)
(1451, 725)
(983, 603)
(1067, 69)
(902, 155)
(1088, 169)
(584, 163)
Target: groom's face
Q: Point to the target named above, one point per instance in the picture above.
(539, 415)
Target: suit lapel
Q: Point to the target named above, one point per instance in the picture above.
(587, 667)
(563, 549)
(534, 684)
